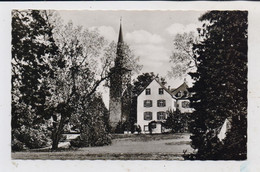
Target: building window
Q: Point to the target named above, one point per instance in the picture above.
(148, 91)
(148, 116)
(185, 104)
(161, 116)
(160, 90)
(161, 103)
(148, 103)
(179, 94)
(146, 128)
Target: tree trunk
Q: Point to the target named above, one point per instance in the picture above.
(57, 133)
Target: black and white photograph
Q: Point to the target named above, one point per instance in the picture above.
(129, 85)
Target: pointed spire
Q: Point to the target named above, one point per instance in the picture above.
(119, 53)
(120, 37)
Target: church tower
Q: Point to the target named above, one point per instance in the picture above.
(120, 92)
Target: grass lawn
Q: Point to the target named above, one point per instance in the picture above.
(123, 147)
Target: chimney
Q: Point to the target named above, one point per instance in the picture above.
(169, 87)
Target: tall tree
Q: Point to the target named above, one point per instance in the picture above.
(76, 83)
(88, 60)
(33, 52)
(182, 59)
(220, 90)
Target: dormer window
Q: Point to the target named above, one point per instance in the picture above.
(148, 91)
(160, 90)
(179, 94)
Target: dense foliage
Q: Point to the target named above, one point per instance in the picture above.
(93, 125)
(176, 121)
(33, 53)
(220, 90)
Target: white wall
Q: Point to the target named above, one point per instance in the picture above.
(154, 96)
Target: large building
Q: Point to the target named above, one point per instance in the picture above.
(155, 100)
(120, 81)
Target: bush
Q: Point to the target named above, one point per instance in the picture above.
(136, 128)
(63, 138)
(92, 136)
(126, 126)
(177, 121)
(104, 140)
(31, 138)
(17, 145)
(77, 142)
(119, 128)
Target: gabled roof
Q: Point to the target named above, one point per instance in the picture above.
(182, 87)
(167, 90)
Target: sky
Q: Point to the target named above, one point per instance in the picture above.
(149, 34)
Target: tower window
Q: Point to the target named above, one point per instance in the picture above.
(160, 90)
(161, 115)
(161, 103)
(148, 116)
(148, 91)
(148, 103)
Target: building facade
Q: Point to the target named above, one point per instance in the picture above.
(155, 100)
(182, 94)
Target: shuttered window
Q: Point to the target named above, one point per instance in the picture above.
(148, 91)
(161, 115)
(148, 103)
(148, 116)
(161, 103)
(160, 90)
